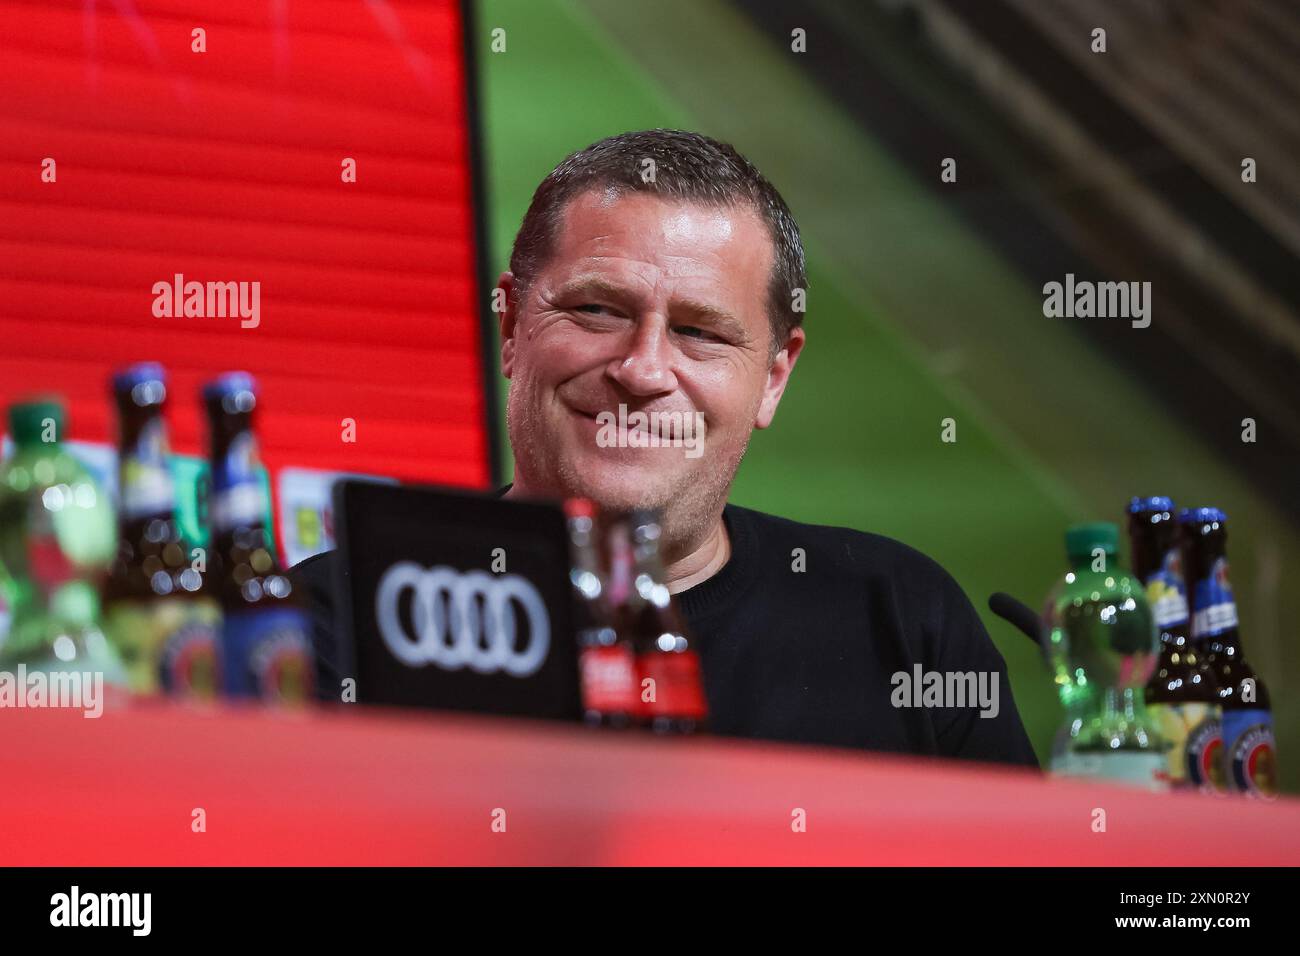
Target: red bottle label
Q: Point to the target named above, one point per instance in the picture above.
(608, 680)
(677, 691)
(47, 563)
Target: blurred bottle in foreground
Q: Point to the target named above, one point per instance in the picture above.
(1248, 754)
(157, 611)
(670, 685)
(265, 647)
(606, 661)
(56, 537)
(1183, 694)
(1101, 647)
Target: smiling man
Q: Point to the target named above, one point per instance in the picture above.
(656, 274)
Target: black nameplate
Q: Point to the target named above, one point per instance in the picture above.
(456, 600)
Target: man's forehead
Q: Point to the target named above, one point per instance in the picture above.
(605, 215)
(619, 231)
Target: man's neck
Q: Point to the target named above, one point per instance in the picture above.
(686, 565)
(700, 562)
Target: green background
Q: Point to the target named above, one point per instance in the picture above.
(912, 319)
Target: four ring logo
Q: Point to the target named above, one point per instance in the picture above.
(462, 619)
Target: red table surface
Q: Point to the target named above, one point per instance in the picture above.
(356, 786)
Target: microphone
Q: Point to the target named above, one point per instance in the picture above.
(1018, 615)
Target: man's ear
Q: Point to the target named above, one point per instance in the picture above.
(509, 314)
(778, 376)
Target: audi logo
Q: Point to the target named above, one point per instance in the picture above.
(462, 619)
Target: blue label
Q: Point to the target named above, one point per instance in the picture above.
(267, 653)
(1167, 592)
(238, 498)
(1249, 752)
(238, 465)
(1213, 608)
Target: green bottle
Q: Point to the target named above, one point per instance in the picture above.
(57, 534)
(1102, 646)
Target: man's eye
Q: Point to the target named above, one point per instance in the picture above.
(695, 332)
(592, 308)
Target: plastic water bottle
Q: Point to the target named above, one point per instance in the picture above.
(1102, 646)
(57, 534)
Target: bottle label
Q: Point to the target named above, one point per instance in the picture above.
(238, 498)
(1167, 592)
(677, 689)
(48, 565)
(1215, 608)
(168, 645)
(1249, 752)
(1144, 769)
(240, 506)
(146, 483)
(1205, 754)
(267, 652)
(609, 679)
(1195, 744)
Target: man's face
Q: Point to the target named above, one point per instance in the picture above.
(661, 307)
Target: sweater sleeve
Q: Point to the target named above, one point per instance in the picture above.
(991, 730)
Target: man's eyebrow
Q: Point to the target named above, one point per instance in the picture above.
(592, 285)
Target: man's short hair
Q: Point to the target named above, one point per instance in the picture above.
(687, 167)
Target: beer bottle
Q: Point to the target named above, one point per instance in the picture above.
(1248, 754)
(158, 610)
(607, 665)
(1183, 693)
(265, 645)
(669, 682)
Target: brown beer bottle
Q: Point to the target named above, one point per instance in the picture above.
(160, 611)
(1183, 693)
(670, 685)
(1249, 759)
(607, 665)
(265, 644)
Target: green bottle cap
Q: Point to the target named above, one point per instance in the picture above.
(1081, 540)
(28, 421)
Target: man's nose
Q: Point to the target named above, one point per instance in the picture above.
(645, 366)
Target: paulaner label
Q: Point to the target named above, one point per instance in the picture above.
(168, 645)
(1249, 752)
(1195, 744)
(267, 653)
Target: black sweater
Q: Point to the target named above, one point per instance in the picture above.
(812, 655)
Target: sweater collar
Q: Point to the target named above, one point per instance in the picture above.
(713, 593)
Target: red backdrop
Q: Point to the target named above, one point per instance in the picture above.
(226, 166)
